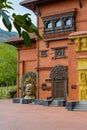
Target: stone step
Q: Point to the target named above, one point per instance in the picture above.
(80, 106)
(82, 102)
(56, 102)
(79, 109)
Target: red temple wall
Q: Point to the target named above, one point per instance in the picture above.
(71, 62)
(29, 57)
(27, 62)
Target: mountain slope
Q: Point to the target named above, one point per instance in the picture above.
(4, 35)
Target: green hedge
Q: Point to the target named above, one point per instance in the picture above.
(7, 92)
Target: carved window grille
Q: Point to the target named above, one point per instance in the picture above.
(43, 53)
(59, 52)
(59, 23)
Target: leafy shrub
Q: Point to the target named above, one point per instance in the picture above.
(12, 93)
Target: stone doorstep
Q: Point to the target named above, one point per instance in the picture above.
(61, 103)
(58, 103)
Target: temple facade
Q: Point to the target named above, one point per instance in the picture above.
(59, 61)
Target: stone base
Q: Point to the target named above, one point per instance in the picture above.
(43, 102)
(33, 101)
(70, 105)
(16, 100)
(26, 101)
(23, 101)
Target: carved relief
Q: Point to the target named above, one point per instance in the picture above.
(81, 44)
(82, 83)
(30, 88)
(83, 77)
(83, 93)
(59, 72)
(84, 43)
(29, 85)
(77, 41)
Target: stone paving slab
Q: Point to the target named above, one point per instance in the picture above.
(35, 117)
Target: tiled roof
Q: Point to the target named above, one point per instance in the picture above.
(18, 39)
(38, 1)
(14, 39)
(28, 1)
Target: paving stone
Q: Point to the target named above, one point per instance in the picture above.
(17, 116)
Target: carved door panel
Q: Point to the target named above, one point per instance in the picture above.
(59, 90)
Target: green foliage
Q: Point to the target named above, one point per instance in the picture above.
(8, 64)
(24, 27)
(22, 23)
(12, 93)
(26, 38)
(6, 21)
(4, 5)
(3, 91)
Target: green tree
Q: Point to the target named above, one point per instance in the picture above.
(23, 26)
(8, 64)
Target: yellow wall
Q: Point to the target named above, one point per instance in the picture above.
(82, 79)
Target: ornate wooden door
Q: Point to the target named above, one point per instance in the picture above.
(59, 82)
(59, 89)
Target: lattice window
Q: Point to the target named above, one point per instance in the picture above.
(59, 52)
(43, 53)
(59, 23)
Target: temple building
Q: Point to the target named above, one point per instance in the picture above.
(58, 63)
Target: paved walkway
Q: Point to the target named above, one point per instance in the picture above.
(33, 117)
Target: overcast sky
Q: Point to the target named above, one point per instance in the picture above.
(19, 10)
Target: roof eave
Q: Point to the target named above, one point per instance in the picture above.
(33, 3)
